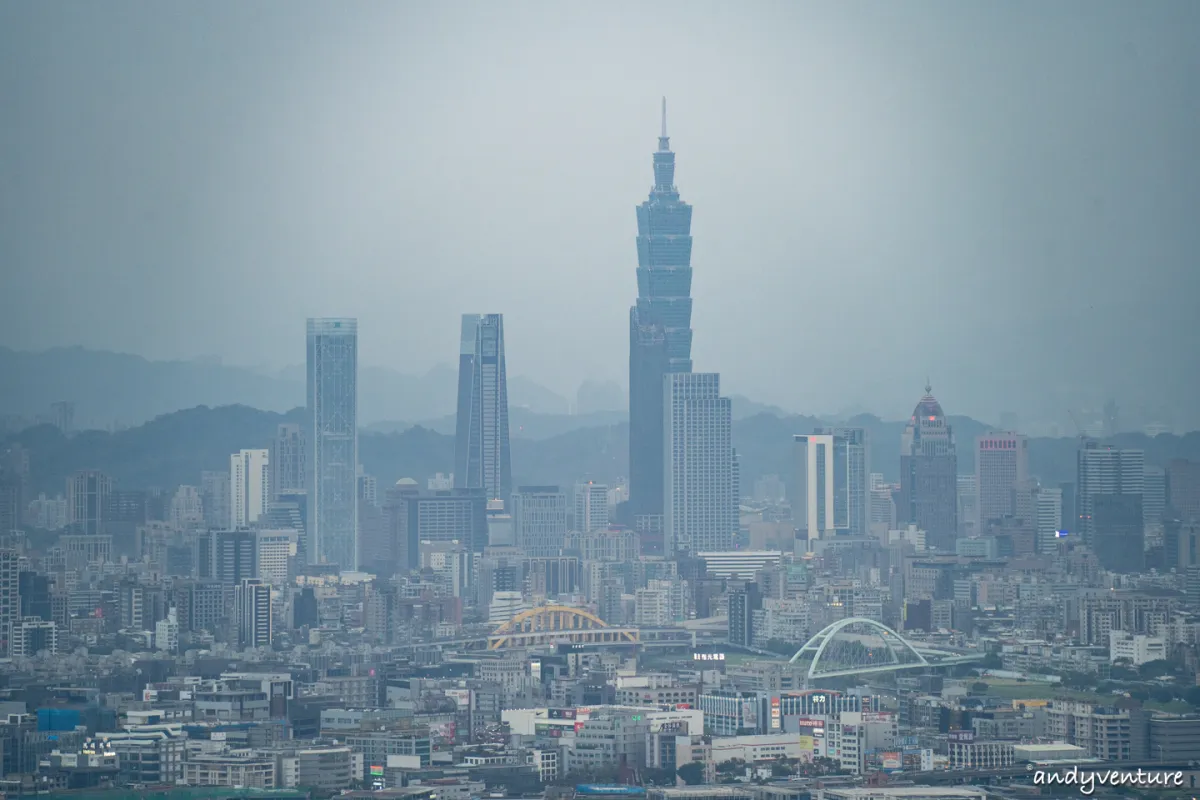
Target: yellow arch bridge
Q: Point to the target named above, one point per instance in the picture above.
(558, 625)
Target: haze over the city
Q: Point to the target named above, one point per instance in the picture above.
(998, 196)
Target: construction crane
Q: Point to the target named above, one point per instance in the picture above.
(1083, 434)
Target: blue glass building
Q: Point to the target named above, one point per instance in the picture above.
(481, 448)
(332, 440)
(660, 332)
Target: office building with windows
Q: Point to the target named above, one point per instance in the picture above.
(481, 447)
(331, 438)
(539, 518)
(1001, 465)
(702, 509)
(591, 507)
(660, 333)
(928, 496)
(1105, 470)
(830, 483)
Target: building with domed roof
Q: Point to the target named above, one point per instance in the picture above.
(929, 474)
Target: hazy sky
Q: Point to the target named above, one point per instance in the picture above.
(1001, 195)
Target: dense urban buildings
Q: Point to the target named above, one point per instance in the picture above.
(660, 333)
(481, 448)
(332, 439)
(322, 621)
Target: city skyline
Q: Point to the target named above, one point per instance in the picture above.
(1062, 205)
(704, 597)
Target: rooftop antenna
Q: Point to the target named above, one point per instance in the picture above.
(928, 386)
(664, 118)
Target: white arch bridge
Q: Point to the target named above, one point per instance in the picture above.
(861, 646)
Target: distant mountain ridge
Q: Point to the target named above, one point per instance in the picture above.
(118, 388)
(123, 390)
(173, 449)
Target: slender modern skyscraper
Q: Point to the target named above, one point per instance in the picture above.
(332, 440)
(481, 452)
(929, 474)
(660, 332)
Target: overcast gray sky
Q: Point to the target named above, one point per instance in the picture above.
(1000, 195)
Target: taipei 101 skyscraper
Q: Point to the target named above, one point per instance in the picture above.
(660, 333)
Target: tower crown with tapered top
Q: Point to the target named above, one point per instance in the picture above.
(660, 323)
(664, 161)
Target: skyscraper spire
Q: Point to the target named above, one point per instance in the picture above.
(660, 333)
(664, 143)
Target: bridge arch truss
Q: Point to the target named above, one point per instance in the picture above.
(554, 624)
(862, 646)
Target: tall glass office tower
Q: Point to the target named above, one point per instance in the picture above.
(332, 440)
(660, 333)
(481, 452)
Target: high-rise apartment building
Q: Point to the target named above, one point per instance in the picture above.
(481, 449)
(539, 515)
(1154, 499)
(1183, 489)
(249, 487)
(817, 503)
(450, 562)
(332, 441)
(227, 556)
(591, 507)
(10, 597)
(87, 501)
(1103, 470)
(660, 333)
(214, 498)
(968, 506)
(701, 509)
(928, 495)
(287, 460)
(831, 483)
(882, 514)
(1047, 517)
(1001, 464)
(252, 607)
(274, 551)
(11, 503)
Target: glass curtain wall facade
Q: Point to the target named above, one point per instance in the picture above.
(660, 333)
(481, 447)
(332, 440)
